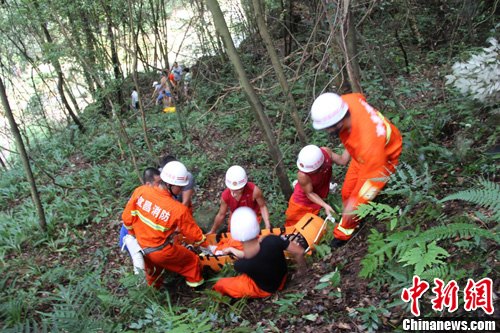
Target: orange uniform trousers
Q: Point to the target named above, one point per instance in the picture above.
(174, 258)
(242, 286)
(358, 190)
(296, 211)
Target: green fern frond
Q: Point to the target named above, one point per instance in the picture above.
(372, 261)
(424, 256)
(31, 326)
(444, 272)
(381, 248)
(378, 210)
(488, 196)
(451, 231)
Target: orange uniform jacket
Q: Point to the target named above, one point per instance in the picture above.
(373, 139)
(374, 144)
(152, 215)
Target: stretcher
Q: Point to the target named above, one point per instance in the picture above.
(308, 232)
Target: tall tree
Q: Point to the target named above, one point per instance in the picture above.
(134, 40)
(349, 46)
(57, 66)
(271, 50)
(256, 104)
(35, 196)
(114, 55)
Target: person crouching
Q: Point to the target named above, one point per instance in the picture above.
(262, 262)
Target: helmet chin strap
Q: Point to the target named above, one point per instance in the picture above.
(169, 188)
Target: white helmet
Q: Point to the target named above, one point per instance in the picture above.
(310, 158)
(244, 224)
(155, 84)
(175, 173)
(327, 110)
(236, 177)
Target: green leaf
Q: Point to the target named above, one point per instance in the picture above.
(422, 256)
(311, 316)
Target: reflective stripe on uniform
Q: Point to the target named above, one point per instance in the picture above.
(201, 241)
(368, 191)
(195, 284)
(388, 129)
(128, 227)
(347, 232)
(148, 222)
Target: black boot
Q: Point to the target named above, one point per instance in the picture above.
(337, 243)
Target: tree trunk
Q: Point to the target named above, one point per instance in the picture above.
(134, 41)
(348, 45)
(24, 157)
(114, 57)
(271, 50)
(60, 79)
(164, 43)
(257, 107)
(60, 84)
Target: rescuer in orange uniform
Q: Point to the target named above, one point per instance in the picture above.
(313, 183)
(262, 262)
(373, 143)
(154, 217)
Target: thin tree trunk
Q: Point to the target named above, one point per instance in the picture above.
(24, 157)
(256, 104)
(3, 163)
(114, 56)
(164, 43)
(134, 41)
(271, 50)
(348, 44)
(60, 81)
(44, 114)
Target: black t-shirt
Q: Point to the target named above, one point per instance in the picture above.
(268, 267)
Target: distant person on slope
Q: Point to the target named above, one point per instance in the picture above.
(262, 262)
(134, 100)
(187, 81)
(313, 186)
(176, 70)
(372, 141)
(240, 193)
(161, 93)
(153, 216)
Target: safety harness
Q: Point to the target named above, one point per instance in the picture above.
(169, 241)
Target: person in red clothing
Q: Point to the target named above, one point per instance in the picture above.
(373, 143)
(262, 262)
(154, 217)
(240, 193)
(313, 182)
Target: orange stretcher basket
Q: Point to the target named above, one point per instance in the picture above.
(307, 233)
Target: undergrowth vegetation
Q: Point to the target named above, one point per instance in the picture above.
(437, 218)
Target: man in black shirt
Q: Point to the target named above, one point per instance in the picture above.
(262, 262)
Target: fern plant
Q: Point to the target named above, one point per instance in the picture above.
(415, 248)
(487, 195)
(415, 187)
